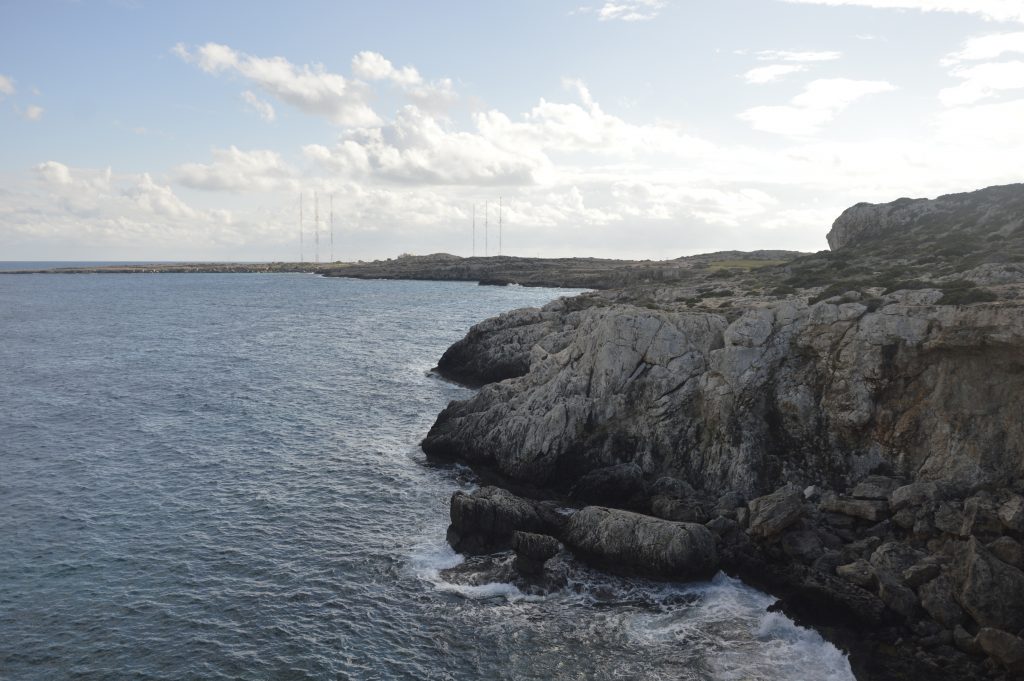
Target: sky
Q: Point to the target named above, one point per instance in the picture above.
(145, 130)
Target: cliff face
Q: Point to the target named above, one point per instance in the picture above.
(788, 392)
(885, 377)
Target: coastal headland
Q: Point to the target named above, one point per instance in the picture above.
(844, 430)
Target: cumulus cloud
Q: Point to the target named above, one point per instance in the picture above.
(33, 112)
(419, 148)
(310, 88)
(435, 95)
(262, 107)
(6, 85)
(820, 102)
(995, 10)
(770, 74)
(236, 170)
(631, 10)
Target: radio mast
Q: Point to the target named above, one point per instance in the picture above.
(487, 212)
(316, 221)
(302, 249)
(332, 227)
(474, 229)
(499, 225)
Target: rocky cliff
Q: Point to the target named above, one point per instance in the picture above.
(849, 424)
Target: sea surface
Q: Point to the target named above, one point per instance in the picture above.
(217, 476)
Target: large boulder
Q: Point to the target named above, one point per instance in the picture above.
(486, 520)
(992, 591)
(773, 513)
(631, 543)
(532, 551)
(1003, 647)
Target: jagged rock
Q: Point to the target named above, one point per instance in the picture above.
(948, 518)
(772, 513)
(914, 494)
(966, 642)
(1003, 647)
(1009, 551)
(629, 542)
(612, 485)
(721, 525)
(980, 518)
(672, 488)
(532, 551)
(727, 504)
(906, 518)
(895, 595)
(486, 520)
(895, 557)
(803, 545)
(856, 508)
(992, 592)
(1011, 514)
(680, 510)
(858, 572)
(921, 573)
(938, 599)
(875, 487)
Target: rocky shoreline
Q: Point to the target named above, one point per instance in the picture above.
(845, 431)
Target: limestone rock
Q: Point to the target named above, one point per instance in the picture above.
(532, 551)
(1009, 551)
(914, 494)
(856, 508)
(630, 542)
(938, 599)
(772, 513)
(992, 592)
(876, 487)
(1003, 647)
(858, 572)
(895, 595)
(612, 485)
(487, 519)
(895, 557)
(1011, 514)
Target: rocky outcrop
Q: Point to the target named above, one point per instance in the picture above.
(860, 455)
(787, 392)
(487, 519)
(998, 209)
(632, 543)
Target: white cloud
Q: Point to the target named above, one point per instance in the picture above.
(631, 10)
(820, 102)
(6, 85)
(419, 148)
(54, 172)
(983, 81)
(769, 74)
(789, 55)
(238, 171)
(310, 88)
(987, 47)
(260, 106)
(435, 96)
(33, 112)
(996, 10)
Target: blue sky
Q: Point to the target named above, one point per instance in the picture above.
(640, 128)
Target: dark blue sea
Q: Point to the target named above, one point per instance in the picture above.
(218, 477)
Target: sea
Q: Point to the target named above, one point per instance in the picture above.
(218, 476)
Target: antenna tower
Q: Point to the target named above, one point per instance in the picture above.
(332, 227)
(316, 221)
(474, 229)
(302, 248)
(499, 225)
(487, 213)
